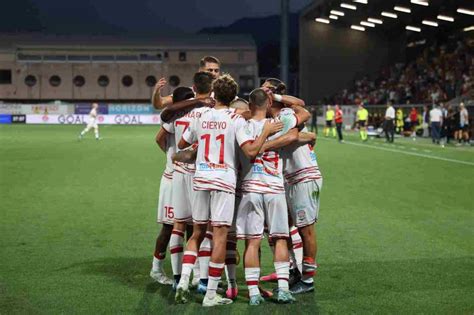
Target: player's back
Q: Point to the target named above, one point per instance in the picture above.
(180, 125)
(215, 132)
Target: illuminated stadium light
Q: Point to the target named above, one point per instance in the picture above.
(445, 18)
(361, 1)
(376, 21)
(321, 20)
(358, 28)
(389, 14)
(413, 28)
(465, 11)
(468, 29)
(402, 9)
(348, 6)
(335, 12)
(420, 2)
(367, 24)
(334, 17)
(430, 23)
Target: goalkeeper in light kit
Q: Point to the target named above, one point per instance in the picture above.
(92, 123)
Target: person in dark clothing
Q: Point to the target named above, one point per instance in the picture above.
(314, 119)
(450, 124)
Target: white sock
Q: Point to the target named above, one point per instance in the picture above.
(215, 272)
(282, 269)
(189, 259)
(205, 255)
(297, 247)
(158, 262)
(230, 264)
(197, 269)
(97, 134)
(252, 275)
(176, 249)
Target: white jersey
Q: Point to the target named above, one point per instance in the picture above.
(92, 115)
(300, 163)
(170, 150)
(177, 128)
(216, 160)
(264, 174)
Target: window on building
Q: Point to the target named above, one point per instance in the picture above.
(127, 81)
(59, 58)
(30, 80)
(78, 58)
(79, 80)
(182, 56)
(55, 80)
(103, 80)
(150, 80)
(174, 80)
(5, 76)
(166, 55)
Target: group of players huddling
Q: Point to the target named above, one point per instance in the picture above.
(235, 170)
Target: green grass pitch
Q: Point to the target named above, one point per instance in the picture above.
(78, 227)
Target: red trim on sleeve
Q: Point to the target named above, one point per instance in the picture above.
(245, 142)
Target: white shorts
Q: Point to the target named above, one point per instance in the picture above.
(165, 208)
(303, 202)
(92, 124)
(233, 228)
(217, 206)
(256, 210)
(183, 196)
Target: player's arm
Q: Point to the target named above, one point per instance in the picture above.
(252, 148)
(186, 156)
(306, 137)
(302, 115)
(161, 139)
(157, 100)
(288, 138)
(171, 109)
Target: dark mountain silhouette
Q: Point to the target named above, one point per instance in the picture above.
(266, 32)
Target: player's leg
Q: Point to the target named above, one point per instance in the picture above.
(204, 254)
(165, 217)
(222, 213)
(231, 255)
(276, 215)
(200, 213)
(85, 130)
(96, 131)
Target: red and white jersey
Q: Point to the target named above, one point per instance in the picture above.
(264, 174)
(216, 158)
(170, 150)
(177, 128)
(300, 163)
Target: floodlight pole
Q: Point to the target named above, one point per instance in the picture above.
(284, 41)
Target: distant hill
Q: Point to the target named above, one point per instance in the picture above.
(266, 32)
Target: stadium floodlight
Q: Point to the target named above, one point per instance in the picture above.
(335, 12)
(413, 28)
(402, 9)
(468, 29)
(376, 21)
(348, 6)
(445, 18)
(361, 1)
(420, 2)
(334, 17)
(465, 11)
(430, 23)
(367, 24)
(321, 20)
(389, 14)
(358, 28)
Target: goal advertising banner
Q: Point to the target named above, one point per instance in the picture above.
(101, 119)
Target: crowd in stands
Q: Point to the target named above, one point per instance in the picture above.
(440, 73)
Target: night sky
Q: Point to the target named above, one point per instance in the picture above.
(135, 16)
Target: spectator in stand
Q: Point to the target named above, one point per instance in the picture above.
(436, 119)
(413, 122)
(389, 119)
(339, 120)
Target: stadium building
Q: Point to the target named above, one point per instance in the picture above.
(46, 68)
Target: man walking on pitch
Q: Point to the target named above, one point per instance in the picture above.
(388, 124)
(92, 123)
(339, 121)
(329, 119)
(362, 117)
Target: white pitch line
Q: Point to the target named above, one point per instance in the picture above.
(411, 153)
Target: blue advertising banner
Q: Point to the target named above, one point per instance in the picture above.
(131, 109)
(5, 119)
(85, 108)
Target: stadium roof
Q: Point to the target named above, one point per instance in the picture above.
(194, 41)
(421, 16)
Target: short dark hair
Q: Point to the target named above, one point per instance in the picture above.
(239, 103)
(203, 82)
(208, 59)
(182, 93)
(279, 87)
(225, 89)
(258, 97)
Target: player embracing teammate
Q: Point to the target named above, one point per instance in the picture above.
(279, 182)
